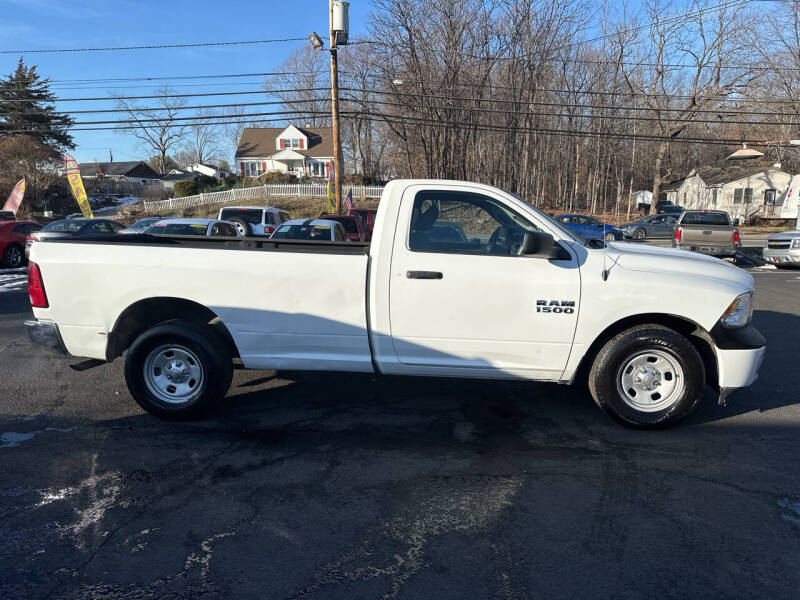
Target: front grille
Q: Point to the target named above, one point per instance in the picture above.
(778, 245)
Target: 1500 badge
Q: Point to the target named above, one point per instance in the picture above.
(555, 306)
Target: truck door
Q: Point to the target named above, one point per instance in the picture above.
(463, 300)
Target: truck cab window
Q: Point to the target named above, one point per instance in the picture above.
(465, 223)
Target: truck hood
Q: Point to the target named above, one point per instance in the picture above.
(638, 257)
(784, 236)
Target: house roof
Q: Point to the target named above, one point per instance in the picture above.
(672, 185)
(179, 176)
(258, 142)
(134, 168)
(727, 174)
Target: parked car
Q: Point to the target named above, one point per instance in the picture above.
(670, 209)
(72, 228)
(783, 249)
(142, 224)
(367, 220)
(204, 227)
(590, 228)
(655, 325)
(7, 215)
(654, 226)
(350, 223)
(254, 220)
(12, 241)
(708, 232)
(310, 229)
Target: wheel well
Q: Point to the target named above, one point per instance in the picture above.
(698, 336)
(145, 314)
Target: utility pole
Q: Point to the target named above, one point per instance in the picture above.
(337, 142)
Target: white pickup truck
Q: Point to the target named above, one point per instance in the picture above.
(460, 280)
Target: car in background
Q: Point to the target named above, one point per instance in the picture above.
(12, 241)
(589, 228)
(72, 228)
(311, 229)
(142, 224)
(350, 223)
(653, 226)
(707, 232)
(7, 215)
(783, 249)
(199, 227)
(254, 220)
(670, 209)
(367, 219)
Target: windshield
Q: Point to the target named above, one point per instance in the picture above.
(61, 226)
(248, 215)
(142, 225)
(303, 232)
(179, 229)
(700, 218)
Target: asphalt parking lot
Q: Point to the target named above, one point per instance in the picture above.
(341, 486)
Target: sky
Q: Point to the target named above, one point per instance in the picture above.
(48, 24)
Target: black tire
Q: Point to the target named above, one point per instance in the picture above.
(242, 226)
(13, 256)
(639, 234)
(204, 347)
(605, 377)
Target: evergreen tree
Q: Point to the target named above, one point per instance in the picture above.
(27, 106)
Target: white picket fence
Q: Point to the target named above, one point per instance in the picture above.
(261, 192)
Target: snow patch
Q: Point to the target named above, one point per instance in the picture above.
(11, 439)
(13, 280)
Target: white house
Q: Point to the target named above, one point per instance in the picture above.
(742, 191)
(209, 170)
(300, 151)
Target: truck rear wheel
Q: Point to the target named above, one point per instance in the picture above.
(648, 377)
(178, 370)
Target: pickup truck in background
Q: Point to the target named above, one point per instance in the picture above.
(783, 249)
(514, 296)
(708, 232)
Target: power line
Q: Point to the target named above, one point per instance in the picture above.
(157, 96)
(177, 77)
(155, 46)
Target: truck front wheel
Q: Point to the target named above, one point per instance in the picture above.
(647, 377)
(178, 370)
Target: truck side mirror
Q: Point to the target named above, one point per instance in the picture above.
(537, 244)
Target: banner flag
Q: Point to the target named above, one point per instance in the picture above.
(76, 184)
(15, 197)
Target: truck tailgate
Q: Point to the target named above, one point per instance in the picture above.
(707, 235)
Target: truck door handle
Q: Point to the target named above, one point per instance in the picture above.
(708, 232)
(424, 275)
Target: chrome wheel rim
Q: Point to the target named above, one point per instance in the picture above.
(14, 257)
(639, 234)
(240, 229)
(650, 381)
(173, 374)
(610, 237)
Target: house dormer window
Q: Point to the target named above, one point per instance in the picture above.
(292, 143)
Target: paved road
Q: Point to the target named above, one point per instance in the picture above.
(327, 487)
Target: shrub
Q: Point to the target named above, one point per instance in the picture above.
(206, 182)
(358, 179)
(278, 177)
(185, 188)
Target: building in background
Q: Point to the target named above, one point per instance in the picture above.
(208, 170)
(128, 172)
(741, 191)
(299, 151)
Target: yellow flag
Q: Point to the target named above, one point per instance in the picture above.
(76, 183)
(331, 197)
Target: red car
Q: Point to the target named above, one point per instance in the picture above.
(367, 218)
(12, 241)
(351, 224)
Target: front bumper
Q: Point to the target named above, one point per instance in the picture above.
(710, 250)
(789, 256)
(46, 334)
(740, 353)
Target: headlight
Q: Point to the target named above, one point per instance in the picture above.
(796, 243)
(739, 313)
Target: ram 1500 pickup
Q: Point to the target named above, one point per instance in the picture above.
(509, 295)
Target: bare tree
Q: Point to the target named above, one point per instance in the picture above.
(203, 137)
(304, 86)
(155, 126)
(681, 68)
